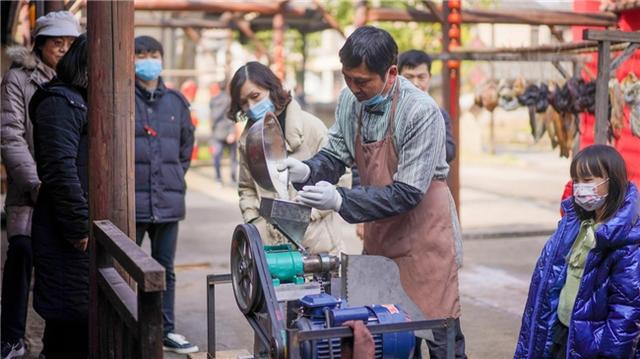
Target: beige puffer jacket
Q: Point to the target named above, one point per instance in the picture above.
(305, 135)
(18, 85)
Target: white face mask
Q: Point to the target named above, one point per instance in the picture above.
(586, 195)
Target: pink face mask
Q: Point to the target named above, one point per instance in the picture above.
(586, 195)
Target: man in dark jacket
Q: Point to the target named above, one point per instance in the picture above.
(415, 66)
(164, 141)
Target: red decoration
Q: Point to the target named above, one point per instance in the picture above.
(454, 18)
(454, 32)
(454, 4)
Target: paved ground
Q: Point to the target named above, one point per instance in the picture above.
(508, 193)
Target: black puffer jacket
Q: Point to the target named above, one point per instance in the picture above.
(61, 214)
(164, 142)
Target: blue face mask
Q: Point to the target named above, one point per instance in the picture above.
(257, 111)
(378, 98)
(148, 69)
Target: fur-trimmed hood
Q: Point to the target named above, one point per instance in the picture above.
(22, 57)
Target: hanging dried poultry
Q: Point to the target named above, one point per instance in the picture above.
(487, 95)
(536, 98)
(631, 89)
(616, 99)
(563, 114)
(507, 97)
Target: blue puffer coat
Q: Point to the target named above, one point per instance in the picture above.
(164, 142)
(606, 316)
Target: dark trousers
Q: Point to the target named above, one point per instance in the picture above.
(438, 346)
(219, 146)
(68, 340)
(16, 282)
(163, 238)
(560, 336)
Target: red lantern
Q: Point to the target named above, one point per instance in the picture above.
(454, 4)
(454, 18)
(453, 64)
(454, 32)
(453, 44)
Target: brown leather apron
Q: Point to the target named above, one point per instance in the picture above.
(420, 241)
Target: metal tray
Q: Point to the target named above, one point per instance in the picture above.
(265, 147)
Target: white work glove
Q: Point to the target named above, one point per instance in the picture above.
(322, 196)
(298, 171)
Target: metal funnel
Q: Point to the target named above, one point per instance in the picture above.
(290, 218)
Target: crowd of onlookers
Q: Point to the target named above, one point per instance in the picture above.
(584, 298)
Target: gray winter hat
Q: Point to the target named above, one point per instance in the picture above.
(58, 23)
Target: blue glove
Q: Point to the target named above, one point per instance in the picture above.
(322, 196)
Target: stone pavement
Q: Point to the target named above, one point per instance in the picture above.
(502, 197)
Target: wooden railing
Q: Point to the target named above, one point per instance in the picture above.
(129, 321)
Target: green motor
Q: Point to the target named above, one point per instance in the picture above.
(286, 264)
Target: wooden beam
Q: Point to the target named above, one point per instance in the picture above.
(329, 18)
(471, 55)
(433, 8)
(245, 27)
(473, 16)
(602, 92)
(148, 273)
(538, 17)
(560, 69)
(624, 56)
(182, 23)
(611, 35)
(405, 15)
(219, 6)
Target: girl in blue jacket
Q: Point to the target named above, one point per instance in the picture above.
(584, 298)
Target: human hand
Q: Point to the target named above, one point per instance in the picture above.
(323, 196)
(360, 230)
(81, 244)
(298, 171)
(362, 345)
(231, 138)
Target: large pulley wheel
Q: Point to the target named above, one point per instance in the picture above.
(244, 268)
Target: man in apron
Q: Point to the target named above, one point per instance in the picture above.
(395, 135)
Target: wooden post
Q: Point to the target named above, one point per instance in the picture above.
(450, 94)
(602, 92)
(278, 44)
(111, 125)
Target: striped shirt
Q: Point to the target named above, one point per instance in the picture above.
(419, 133)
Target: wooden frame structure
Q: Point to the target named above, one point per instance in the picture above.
(130, 322)
(606, 66)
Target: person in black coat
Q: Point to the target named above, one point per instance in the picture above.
(60, 227)
(164, 142)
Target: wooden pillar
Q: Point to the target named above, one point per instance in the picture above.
(278, 44)
(111, 126)
(602, 91)
(451, 95)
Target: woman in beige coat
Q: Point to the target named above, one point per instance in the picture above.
(255, 90)
(53, 36)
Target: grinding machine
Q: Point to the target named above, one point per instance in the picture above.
(295, 301)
